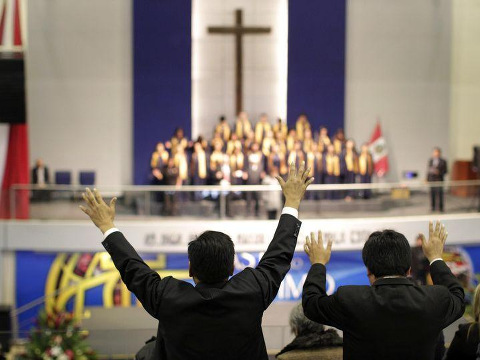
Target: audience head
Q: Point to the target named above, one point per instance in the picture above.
(437, 152)
(301, 325)
(386, 253)
(211, 257)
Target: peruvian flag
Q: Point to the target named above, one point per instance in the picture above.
(379, 151)
(14, 167)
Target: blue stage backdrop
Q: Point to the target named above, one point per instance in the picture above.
(316, 62)
(161, 76)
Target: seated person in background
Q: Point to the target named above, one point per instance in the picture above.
(467, 338)
(220, 317)
(393, 318)
(41, 178)
(312, 341)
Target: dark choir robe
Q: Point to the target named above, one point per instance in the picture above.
(199, 168)
(365, 170)
(323, 143)
(237, 168)
(157, 163)
(279, 161)
(331, 170)
(242, 128)
(261, 130)
(224, 130)
(350, 165)
(217, 159)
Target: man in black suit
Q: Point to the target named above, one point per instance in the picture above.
(393, 318)
(218, 318)
(41, 178)
(437, 168)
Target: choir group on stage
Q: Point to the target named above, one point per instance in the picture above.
(246, 154)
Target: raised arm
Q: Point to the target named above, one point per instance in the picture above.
(454, 300)
(317, 305)
(275, 263)
(144, 282)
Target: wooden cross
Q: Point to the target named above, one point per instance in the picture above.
(238, 30)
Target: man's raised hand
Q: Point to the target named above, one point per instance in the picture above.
(101, 214)
(296, 184)
(433, 248)
(315, 250)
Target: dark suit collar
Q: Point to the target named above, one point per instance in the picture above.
(393, 281)
(217, 285)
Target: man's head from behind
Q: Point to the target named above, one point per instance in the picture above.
(211, 257)
(386, 253)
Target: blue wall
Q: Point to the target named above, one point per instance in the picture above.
(161, 76)
(316, 62)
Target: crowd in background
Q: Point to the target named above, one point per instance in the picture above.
(246, 153)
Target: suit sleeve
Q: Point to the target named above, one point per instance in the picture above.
(317, 305)
(454, 351)
(275, 263)
(454, 301)
(144, 282)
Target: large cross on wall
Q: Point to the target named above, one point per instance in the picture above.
(238, 30)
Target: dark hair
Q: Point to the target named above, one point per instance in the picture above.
(211, 257)
(386, 253)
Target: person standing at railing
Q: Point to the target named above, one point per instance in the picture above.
(41, 178)
(350, 167)
(171, 178)
(437, 168)
(255, 174)
(365, 170)
(331, 169)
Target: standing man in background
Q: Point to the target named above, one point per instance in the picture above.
(437, 168)
(40, 177)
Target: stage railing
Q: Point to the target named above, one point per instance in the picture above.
(339, 199)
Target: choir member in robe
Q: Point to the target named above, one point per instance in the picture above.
(301, 125)
(280, 140)
(217, 140)
(291, 139)
(158, 161)
(223, 128)
(177, 140)
(237, 167)
(365, 169)
(268, 143)
(262, 128)
(272, 199)
(255, 173)
(203, 142)
(181, 163)
(339, 141)
(307, 141)
(296, 155)
(323, 140)
(217, 158)
(280, 128)
(249, 140)
(350, 164)
(242, 125)
(198, 165)
(233, 144)
(314, 163)
(331, 170)
(278, 159)
(171, 178)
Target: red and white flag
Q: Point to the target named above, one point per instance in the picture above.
(379, 151)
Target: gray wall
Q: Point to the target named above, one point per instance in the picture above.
(78, 67)
(398, 71)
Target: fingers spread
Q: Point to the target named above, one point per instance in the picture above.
(329, 245)
(293, 170)
(301, 169)
(430, 228)
(85, 210)
(320, 237)
(87, 200)
(91, 197)
(437, 228)
(309, 181)
(112, 203)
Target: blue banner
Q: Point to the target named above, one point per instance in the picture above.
(75, 281)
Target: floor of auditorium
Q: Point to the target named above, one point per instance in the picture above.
(143, 208)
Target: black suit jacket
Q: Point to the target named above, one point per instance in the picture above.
(392, 319)
(209, 321)
(35, 175)
(441, 170)
(465, 343)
